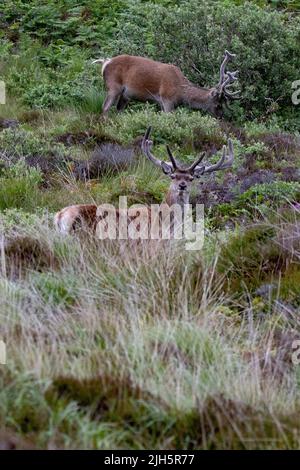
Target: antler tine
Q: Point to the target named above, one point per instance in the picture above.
(222, 164)
(172, 158)
(229, 85)
(230, 160)
(223, 85)
(232, 95)
(146, 146)
(233, 75)
(227, 58)
(196, 163)
(224, 88)
(230, 55)
(148, 132)
(146, 143)
(146, 149)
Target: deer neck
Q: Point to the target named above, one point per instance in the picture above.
(196, 97)
(177, 197)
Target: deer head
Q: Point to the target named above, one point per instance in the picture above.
(183, 177)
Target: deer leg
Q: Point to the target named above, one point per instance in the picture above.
(122, 103)
(110, 100)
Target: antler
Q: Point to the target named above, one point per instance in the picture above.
(224, 162)
(146, 148)
(233, 77)
(227, 58)
(172, 158)
(196, 163)
(224, 84)
(227, 79)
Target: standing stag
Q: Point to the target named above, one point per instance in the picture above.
(137, 78)
(87, 216)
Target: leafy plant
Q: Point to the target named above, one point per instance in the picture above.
(270, 194)
(190, 35)
(21, 143)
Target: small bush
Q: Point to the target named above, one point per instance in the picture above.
(181, 127)
(269, 195)
(24, 252)
(16, 143)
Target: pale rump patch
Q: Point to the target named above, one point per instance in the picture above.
(65, 219)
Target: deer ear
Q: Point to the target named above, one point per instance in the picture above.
(198, 171)
(166, 168)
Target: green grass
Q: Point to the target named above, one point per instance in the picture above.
(148, 346)
(104, 350)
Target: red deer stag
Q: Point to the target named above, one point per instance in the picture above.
(137, 78)
(86, 216)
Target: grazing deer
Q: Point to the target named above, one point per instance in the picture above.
(138, 78)
(87, 216)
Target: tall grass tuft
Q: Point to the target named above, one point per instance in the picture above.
(116, 345)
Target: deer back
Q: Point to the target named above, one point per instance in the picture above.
(143, 78)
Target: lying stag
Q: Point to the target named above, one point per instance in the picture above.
(86, 215)
(137, 78)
